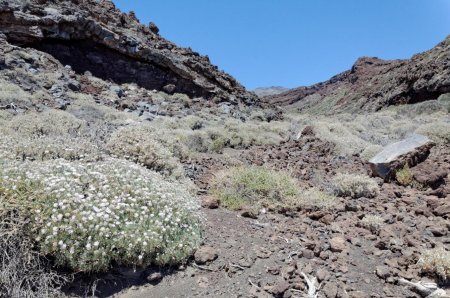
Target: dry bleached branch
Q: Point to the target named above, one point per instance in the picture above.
(425, 289)
(313, 290)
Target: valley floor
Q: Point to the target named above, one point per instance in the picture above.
(268, 255)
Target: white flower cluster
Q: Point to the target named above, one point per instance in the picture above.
(114, 211)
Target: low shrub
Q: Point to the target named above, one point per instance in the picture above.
(47, 147)
(137, 143)
(355, 186)
(370, 151)
(89, 216)
(439, 132)
(404, 176)
(84, 107)
(47, 123)
(372, 223)
(436, 261)
(255, 186)
(315, 199)
(12, 93)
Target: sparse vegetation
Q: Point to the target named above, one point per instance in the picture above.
(370, 151)
(404, 176)
(138, 144)
(314, 199)
(364, 133)
(250, 186)
(355, 186)
(372, 223)
(48, 123)
(437, 262)
(439, 132)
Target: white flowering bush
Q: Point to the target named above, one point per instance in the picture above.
(355, 186)
(89, 216)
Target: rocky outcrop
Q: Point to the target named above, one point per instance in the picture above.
(94, 36)
(372, 84)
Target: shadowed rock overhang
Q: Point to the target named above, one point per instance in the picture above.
(94, 36)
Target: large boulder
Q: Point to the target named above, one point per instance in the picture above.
(410, 151)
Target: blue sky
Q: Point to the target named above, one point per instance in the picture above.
(294, 42)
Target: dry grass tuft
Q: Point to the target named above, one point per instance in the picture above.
(255, 186)
(404, 176)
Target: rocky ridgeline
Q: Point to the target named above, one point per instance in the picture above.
(94, 36)
(372, 83)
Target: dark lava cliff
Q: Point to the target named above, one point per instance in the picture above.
(94, 36)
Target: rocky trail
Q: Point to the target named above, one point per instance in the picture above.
(247, 254)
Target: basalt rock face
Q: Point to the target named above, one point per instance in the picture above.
(94, 36)
(372, 84)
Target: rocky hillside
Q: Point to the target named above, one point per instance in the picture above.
(94, 36)
(268, 91)
(372, 83)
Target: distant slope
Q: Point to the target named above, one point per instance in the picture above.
(372, 84)
(267, 91)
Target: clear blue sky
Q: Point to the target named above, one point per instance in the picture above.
(295, 42)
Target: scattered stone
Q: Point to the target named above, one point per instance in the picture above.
(322, 275)
(383, 272)
(210, 202)
(73, 85)
(205, 254)
(153, 28)
(274, 270)
(427, 174)
(279, 288)
(330, 290)
(263, 253)
(287, 271)
(154, 277)
(309, 254)
(170, 88)
(116, 89)
(203, 282)
(246, 262)
(444, 209)
(250, 213)
(358, 294)
(337, 244)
